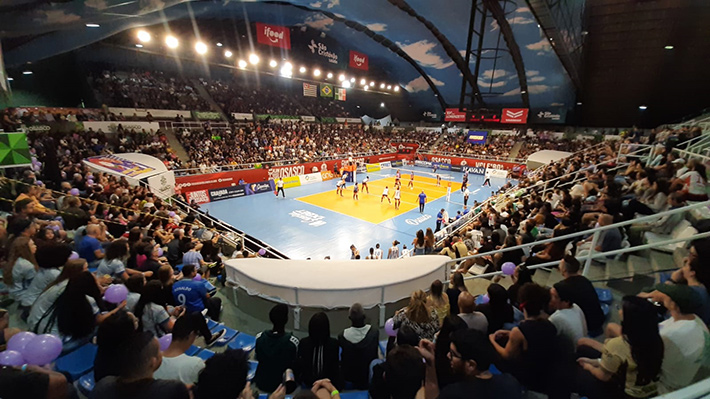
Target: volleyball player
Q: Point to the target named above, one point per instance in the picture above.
(396, 198)
(438, 180)
(487, 181)
(339, 187)
(466, 193)
(464, 184)
(411, 181)
(448, 192)
(385, 194)
(355, 192)
(364, 184)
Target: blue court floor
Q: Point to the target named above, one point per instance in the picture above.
(301, 230)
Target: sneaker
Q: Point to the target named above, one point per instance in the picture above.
(204, 312)
(215, 337)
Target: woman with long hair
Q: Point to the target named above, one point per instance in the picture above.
(429, 241)
(438, 300)
(498, 311)
(694, 181)
(418, 316)
(50, 257)
(418, 243)
(150, 310)
(456, 287)
(318, 353)
(634, 357)
(51, 292)
(114, 263)
(516, 256)
(21, 267)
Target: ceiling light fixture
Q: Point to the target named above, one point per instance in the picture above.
(201, 48)
(229, 54)
(316, 72)
(139, 45)
(341, 78)
(241, 64)
(302, 69)
(171, 42)
(329, 75)
(396, 88)
(93, 25)
(668, 47)
(143, 36)
(219, 44)
(253, 59)
(273, 63)
(642, 107)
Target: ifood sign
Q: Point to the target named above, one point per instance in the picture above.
(358, 60)
(273, 35)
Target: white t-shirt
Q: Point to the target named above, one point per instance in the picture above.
(396, 194)
(683, 344)
(385, 191)
(23, 271)
(43, 278)
(571, 325)
(113, 268)
(183, 367)
(131, 301)
(153, 316)
(378, 253)
(695, 183)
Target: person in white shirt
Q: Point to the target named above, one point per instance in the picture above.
(378, 251)
(396, 197)
(568, 317)
(394, 250)
(684, 336)
(694, 181)
(280, 187)
(176, 364)
(364, 184)
(385, 194)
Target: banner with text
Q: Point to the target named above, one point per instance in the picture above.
(460, 161)
(478, 137)
(358, 60)
(242, 116)
(514, 115)
(454, 115)
(155, 113)
(405, 148)
(162, 185)
(273, 35)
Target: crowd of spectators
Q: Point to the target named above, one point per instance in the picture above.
(236, 97)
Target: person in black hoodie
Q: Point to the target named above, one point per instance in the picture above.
(276, 350)
(359, 343)
(318, 356)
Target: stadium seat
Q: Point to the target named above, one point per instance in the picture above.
(205, 354)
(78, 362)
(604, 295)
(192, 350)
(681, 230)
(244, 342)
(211, 324)
(355, 395)
(228, 336)
(252, 369)
(86, 383)
(179, 267)
(605, 309)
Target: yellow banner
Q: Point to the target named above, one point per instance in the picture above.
(327, 175)
(372, 167)
(292, 181)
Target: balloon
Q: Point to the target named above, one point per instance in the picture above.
(116, 293)
(160, 251)
(262, 252)
(74, 191)
(171, 214)
(508, 268)
(73, 255)
(39, 183)
(18, 341)
(11, 358)
(42, 349)
(482, 299)
(197, 277)
(165, 341)
(389, 328)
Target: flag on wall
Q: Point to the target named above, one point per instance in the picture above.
(340, 94)
(326, 90)
(310, 90)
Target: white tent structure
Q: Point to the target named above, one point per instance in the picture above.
(544, 157)
(138, 169)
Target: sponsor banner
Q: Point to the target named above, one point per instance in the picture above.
(405, 148)
(358, 60)
(397, 164)
(55, 127)
(496, 173)
(430, 115)
(320, 49)
(459, 161)
(326, 90)
(477, 137)
(327, 175)
(442, 166)
(327, 119)
(428, 129)
(385, 164)
(307, 118)
(416, 222)
(112, 126)
(208, 115)
(260, 187)
(474, 170)
(227, 193)
(372, 168)
(454, 115)
(273, 35)
(242, 116)
(496, 132)
(155, 113)
(426, 164)
(120, 165)
(162, 185)
(292, 181)
(199, 196)
(277, 118)
(341, 120)
(353, 120)
(311, 178)
(547, 116)
(514, 115)
(612, 137)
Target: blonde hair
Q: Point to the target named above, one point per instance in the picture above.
(418, 311)
(20, 248)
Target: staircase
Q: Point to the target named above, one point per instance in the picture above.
(213, 104)
(176, 145)
(516, 149)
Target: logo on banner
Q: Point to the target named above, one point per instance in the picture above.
(358, 60)
(514, 115)
(227, 193)
(322, 50)
(273, 35)
(417, 221)
(454, 115)
(474, 170)
(200, 197)
(549, 116)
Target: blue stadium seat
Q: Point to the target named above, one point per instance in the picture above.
(244, 342)
(494, 370)
(78, 362)
(93, 270)
(604, 295)
(205, 354)
(355, 395)
(252, 369)
(383, 347)
(211, 324)
(228, 336)
(192, 350)
(605, 309)
(86, 383)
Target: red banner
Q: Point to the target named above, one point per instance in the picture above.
(454, 115)
(459, 161)
(358, 60)
(514, 115)
(273, 35)
(405, 148)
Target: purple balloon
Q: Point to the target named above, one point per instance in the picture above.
(262, 252)
(73, 255)
(43, 349)
(116, 293)
(389, 328)
(508, 268)
(197, 277)
(18, 341)
(39, 182)
(171, 214)
(165, 341)
(483, 299)
(11, 358)
(160, 251)
(74, 191)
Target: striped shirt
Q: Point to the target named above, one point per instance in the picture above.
(192, 257)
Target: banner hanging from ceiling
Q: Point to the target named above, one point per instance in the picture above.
(514, 115)
(358, 60)
(273, 35)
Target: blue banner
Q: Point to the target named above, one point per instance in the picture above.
(442, 166)
(241, 190)
(477, 137)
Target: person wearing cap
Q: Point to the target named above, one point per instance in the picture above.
(470, 355)
(359, 343)
(684, 335)
(568, 317)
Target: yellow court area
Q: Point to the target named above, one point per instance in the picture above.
(369, 208)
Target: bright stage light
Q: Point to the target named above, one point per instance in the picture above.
(143, 36)
(382, 85)
(302, 69)
(366, 88)
(396, 88)
(241, 64)
(253, 59)
(273, 63)
(288, 66)
(201, 48)
(172, 42)
(363, 82)
(316, 72)
(382, 105)
(139, 45)
(329, 75)
(372, 84)
(346, 84)
(352, 80)
(389, 87)
(228, 54)
(341, 78)
(93, 25)
(219, 44)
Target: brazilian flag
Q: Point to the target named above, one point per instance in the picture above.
(326, 90)
(14, 150)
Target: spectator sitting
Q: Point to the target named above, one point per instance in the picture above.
(225, 377)
(318, 356)
(34, 382)
(45, 301)
(583, 294)
(359, 344)
(456, 287)
(114, 264)
(90, 247)
(401, 376)
(474, 320)
(275, 350)
(176, 364)
(438, 300)
(110, 337)
(50, 258)
(23, 268)
(498, 311)
(193, 295)
(151, 313)
(175, 252)
(568, 317)
(444, 373)
(135, 285)
(418, 316)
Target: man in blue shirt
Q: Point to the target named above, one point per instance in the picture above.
(439, 219)
(422, 201)
(90, 247)
(193, 294)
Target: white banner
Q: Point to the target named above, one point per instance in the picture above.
(428, 129)
(503, 132)
(162, 185)
(156, 113)
(354, 120)
(241, 116)
(307, 118)
(112, 126)
(310, 178)
(387, 164)
(502, 173)
(341, 120)
(612, 137)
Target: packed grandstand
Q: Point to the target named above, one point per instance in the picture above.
(581, 271)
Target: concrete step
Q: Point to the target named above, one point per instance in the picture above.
(176, 145)
(663, 261)
(639, 265)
